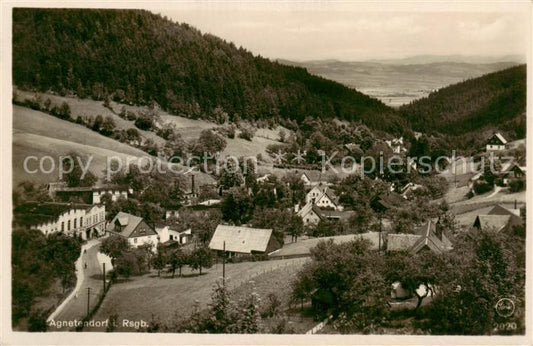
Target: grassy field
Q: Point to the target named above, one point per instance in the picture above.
(39, 134)
(189, 129)
(89, 107)
(170, 299)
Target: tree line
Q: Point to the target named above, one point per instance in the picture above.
(82, 52)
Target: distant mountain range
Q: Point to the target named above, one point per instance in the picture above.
(397, 82)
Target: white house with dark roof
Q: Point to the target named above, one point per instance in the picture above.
(136, 231)
(168, 234)
(323, 197)
(496, 143)
(243, 240)
(310, 214)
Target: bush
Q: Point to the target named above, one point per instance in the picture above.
(144, 123)
(517, 185)
(246, 134)
(131, 116)
(481, 187)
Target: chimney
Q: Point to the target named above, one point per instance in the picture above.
(297, 207)
(438, 229)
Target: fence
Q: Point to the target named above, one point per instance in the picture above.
(318, 327)
(234, 283)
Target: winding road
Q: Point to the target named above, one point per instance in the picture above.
(74, 308)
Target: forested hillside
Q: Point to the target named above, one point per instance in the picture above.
(137, 57)
(495, 100)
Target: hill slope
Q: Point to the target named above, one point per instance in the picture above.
(39, 134)
(137, 57)
(495, 100)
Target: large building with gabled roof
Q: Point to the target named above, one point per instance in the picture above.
(241, 240)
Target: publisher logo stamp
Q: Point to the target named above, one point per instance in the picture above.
(505, 307)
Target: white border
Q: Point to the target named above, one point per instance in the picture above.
(54, 338)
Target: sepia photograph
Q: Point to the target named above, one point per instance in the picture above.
(315, 170)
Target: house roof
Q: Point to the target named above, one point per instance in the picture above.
(428, 238)
(35, 213)
(344, 214)
(512, 167)
(492, 222)
(331, 195)
(425, 237)
(240, 239)
(308, 208)
(128, 221)
(91, 189)
(401, 242)
(500, 137)
(315, 176)
(499, 210)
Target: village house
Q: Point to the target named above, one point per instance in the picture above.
(396, 145)
(496, 143)
(210, 202)
(262, 178)
(428, 237)
(313, 178)
(74, 219)
(134, 229)
(323, 197)
(310, 214)
(408, 190)
(167, 234)
(240, 240)
(498, 219)
(511, 171)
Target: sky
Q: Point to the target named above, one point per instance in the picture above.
(355, 31)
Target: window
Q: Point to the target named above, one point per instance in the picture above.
(75, 223)
(135, 240)
(68, 225)
(171, 237)
(81, 221)
(62, 226)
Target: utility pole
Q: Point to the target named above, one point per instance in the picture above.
(224, 264)
(379, 241)
(88, 299)
(103, 278)
(455, 174)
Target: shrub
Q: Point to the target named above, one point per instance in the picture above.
(144, 123)
(517, 185)
(131, 116)
(246, 134)
(481, 187)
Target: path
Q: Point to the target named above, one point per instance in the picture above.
(74, 308)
